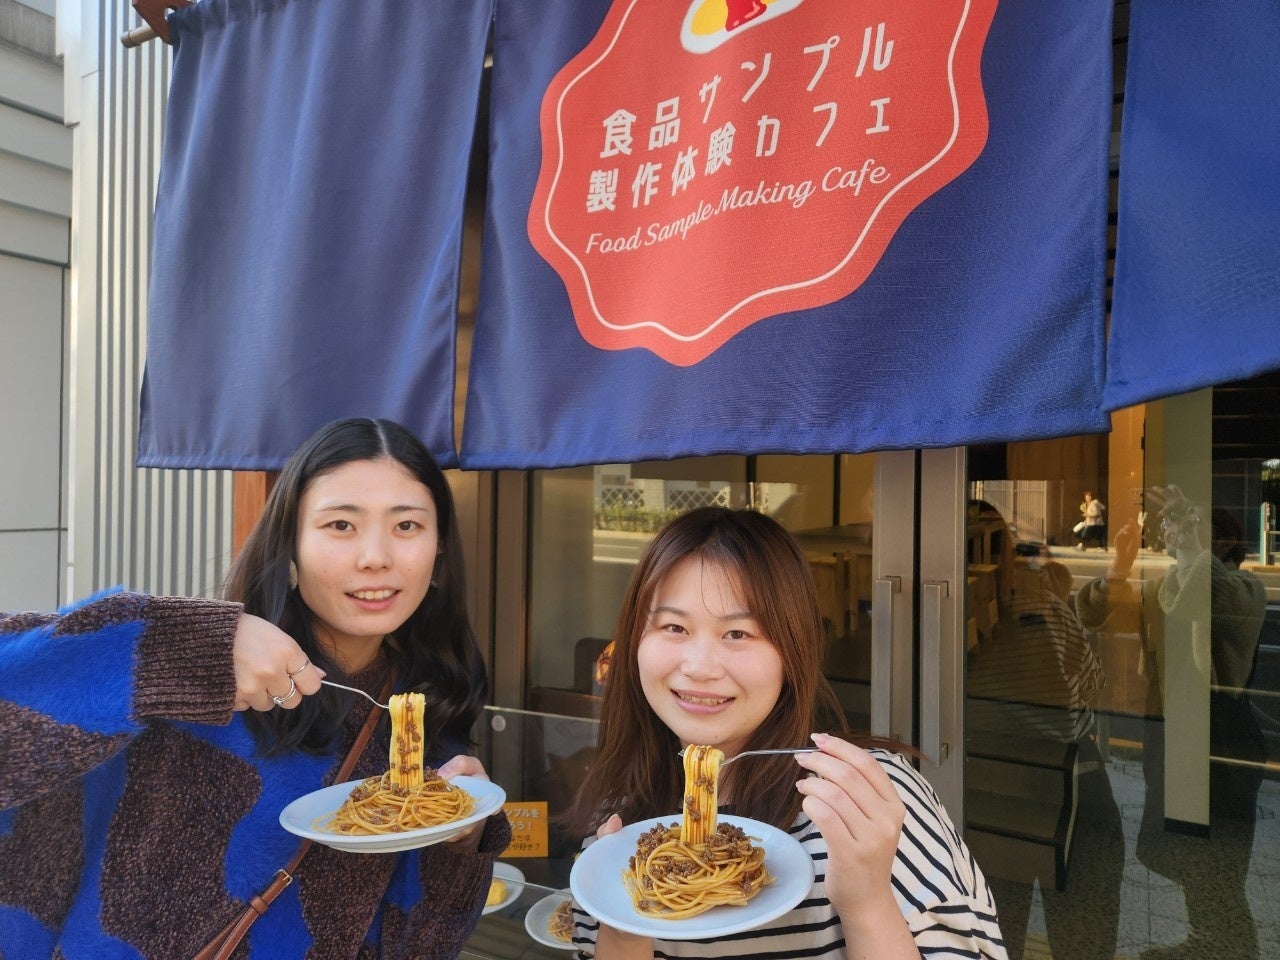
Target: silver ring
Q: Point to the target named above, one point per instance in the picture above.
(293, 673)
(293, 692)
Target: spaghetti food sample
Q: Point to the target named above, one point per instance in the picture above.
(683, 870)
(410, 795)
(560, 923)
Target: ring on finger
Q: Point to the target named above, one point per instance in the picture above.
(293, 692)
(293, 673)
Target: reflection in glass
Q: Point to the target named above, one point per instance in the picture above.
(1204, 603)
(1044, 802)
(1155, 838)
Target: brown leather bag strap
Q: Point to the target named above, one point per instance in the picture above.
(222, 945)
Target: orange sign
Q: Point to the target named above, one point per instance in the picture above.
(708, 164)
(528, 828)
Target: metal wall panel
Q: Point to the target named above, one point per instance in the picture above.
(160, 531)
(35, 204)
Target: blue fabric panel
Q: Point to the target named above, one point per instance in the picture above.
(983, 320)
(308, 225)
(1197, 287)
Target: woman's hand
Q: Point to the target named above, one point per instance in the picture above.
(612, 825)
(464, 765)
(269, 664)
(855, 806)
(1181, 523)
(1127, 541)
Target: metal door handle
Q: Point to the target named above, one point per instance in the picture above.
(882, 654)
(931, 743)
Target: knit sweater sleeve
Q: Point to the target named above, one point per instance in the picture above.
(77, 686)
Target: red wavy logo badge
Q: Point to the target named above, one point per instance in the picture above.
(710, 164)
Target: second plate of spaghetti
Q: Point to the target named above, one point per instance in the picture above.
(550, 920)
(597, 885)
(301, 815)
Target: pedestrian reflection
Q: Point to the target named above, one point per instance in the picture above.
(1033, 683)
(1199, 626)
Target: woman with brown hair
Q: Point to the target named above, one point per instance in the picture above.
(720, 642)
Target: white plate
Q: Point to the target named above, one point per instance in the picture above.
(596, 881)
(513, 878)
(300, 816)
(539, 915)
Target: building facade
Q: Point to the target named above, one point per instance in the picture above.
(35, 241)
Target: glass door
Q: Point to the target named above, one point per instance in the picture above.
(565, 545)
(589, 525)
(1108, 717)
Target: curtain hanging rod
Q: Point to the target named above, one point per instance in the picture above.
(154, 12)
(137, 36)
(148, 9)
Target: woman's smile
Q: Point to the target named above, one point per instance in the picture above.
(373, 596)
(375, 600)
(701, 702)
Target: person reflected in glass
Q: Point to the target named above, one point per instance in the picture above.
(720, 642)
(1226, 606)
(1091, 526)
(1032, 688)
(148, 744)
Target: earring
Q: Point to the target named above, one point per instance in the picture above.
(293, 575)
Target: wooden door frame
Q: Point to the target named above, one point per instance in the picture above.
(249, 492)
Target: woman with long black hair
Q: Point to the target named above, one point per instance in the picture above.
(150, 743)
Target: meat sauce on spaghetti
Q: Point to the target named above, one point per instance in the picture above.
(410, 795)
(682, 870)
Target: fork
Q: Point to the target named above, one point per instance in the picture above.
(330, 683)
(754, 753)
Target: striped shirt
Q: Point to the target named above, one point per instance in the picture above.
(1036, 672)
(939, 888)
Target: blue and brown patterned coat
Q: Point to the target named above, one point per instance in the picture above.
(137, 816)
